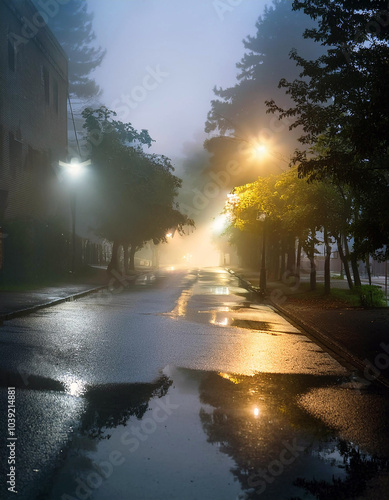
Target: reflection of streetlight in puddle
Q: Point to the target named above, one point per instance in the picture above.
(219, 290)
(214, 320)
(75, 387)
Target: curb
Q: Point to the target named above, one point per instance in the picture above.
(329, 343)
(69, 298)
(32, 309)
(246, 284)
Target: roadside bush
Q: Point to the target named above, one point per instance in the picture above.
(371, 295)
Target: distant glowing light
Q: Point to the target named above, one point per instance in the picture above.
(256, 412)
(220, 223)
(169, 235)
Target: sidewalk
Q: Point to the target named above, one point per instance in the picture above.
(18, 303)
(360, 336)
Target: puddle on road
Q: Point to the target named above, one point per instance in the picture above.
(209, 435)
(239, 316)
(226, 305)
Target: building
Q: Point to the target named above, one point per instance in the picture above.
(33, 126)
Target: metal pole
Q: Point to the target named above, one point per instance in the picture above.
(386, 281)
(262, 275)
(73, 210)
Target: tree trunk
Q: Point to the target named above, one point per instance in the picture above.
(367, 261)
(114, 263)
(298, 259)
(282, 265)
(312, 276)
(131, 264)
(274, 260)
(354, 267)
(291, 255)
(354, 264)
(311, 257)
(327, 264)
(345, 262)
(126, 257)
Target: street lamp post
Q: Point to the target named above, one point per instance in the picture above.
(260, 149)
(262, 274)
(73, 198)
(74, 169)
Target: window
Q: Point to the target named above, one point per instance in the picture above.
(11, 56)
(46, 84)
(55, 96)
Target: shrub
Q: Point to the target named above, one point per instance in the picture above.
(371, 296)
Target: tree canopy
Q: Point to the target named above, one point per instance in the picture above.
(240, 111)
(340, 109)
(294, 210)
(136, 191)
(73, 27)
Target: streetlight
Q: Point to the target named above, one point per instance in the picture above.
(74, 169)
(257, 148)
(262, 275)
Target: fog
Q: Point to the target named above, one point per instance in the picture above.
(163, 61)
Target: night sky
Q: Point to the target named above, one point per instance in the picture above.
(164, 58)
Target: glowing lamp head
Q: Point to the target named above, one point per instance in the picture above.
(260, 149)
(75, 168)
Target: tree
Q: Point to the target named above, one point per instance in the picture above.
(73, 28)
(135, 191)
(240, 111)
(295, 210)
(340, 99)
(257, 212)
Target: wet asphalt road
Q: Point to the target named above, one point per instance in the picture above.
(181, 388)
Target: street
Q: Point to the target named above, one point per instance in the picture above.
(180, 387)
